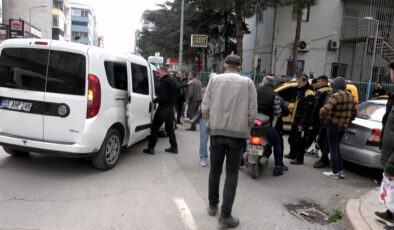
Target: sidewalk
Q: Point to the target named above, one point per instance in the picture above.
(360, 213)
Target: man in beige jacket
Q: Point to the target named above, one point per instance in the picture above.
(229, 108)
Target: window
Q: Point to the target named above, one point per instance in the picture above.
(76, 12)
(66, 73)
(22, 68)
(305, 13)
(140, 79)
(300, 65)
(338, 70)
(55, 21)
(261, 17)
(116, 74)
(79, 23)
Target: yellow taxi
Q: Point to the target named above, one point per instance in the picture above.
(288, 91)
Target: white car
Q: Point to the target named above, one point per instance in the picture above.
(72, 100)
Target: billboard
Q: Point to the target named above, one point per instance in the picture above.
(22, 29)
(198, 40)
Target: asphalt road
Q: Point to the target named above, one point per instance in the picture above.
(163, 191)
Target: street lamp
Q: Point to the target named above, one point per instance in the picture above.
(34, 7)
(373, 54)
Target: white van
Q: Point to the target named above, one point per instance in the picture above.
(72, 100)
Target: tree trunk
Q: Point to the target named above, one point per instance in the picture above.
(225, 35)
(239, 35)
(206, 59)
(297, 40)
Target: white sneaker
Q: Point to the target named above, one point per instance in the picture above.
(203, 164)
(331, 175)
(341, 175)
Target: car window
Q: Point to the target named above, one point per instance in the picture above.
(140, 79)
(66, 73)
(116, 74)
(22, 68)
(288, 94)
(371, 111)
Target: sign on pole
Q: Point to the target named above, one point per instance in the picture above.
(199, 40)
(154, 59)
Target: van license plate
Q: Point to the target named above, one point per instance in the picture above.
(255, 150)
(16, 105)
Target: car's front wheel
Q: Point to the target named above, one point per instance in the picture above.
(15, 152)
(108, 156)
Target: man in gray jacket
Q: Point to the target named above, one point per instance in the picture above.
(229, 109)
(194, 98)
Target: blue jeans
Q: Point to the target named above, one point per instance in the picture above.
(275, 140)
(203, 142)
(335, 134)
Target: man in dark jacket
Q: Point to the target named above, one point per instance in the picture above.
(301, 120)
(387, 159)
(322, 96)
(166, 97)
(379, 91)
(181, 84)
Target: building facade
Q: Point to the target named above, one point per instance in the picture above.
(339, 36)
(82, 24)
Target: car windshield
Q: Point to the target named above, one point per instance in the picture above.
(371, 111)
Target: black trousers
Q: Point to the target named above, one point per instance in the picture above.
(179, 106)
(312, 134)
(231, 149)
(297, 141)
(164, 114)
(322, 141)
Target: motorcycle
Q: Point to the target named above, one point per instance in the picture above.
(258, 148)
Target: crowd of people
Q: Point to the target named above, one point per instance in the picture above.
(226, 110)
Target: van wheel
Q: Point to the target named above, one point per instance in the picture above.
(110, 151)
(16, 153)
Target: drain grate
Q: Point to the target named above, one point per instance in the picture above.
(308, 211)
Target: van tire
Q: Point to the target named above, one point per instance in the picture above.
(110, 151)
(16, 153)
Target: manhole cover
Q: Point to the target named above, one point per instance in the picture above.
(308, 211)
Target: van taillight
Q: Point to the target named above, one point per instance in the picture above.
(94, 96)
(41, 43)
(374, 138)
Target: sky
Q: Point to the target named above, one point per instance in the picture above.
(117, 20)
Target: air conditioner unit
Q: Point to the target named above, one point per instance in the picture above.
(304, 46)
(333, 45)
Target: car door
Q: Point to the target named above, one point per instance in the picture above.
(23, 70)
(139, 106)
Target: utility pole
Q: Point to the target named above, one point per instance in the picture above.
(181, 37)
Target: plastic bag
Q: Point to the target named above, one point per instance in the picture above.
(386, 196)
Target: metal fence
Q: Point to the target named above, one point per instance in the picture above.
(362, 87)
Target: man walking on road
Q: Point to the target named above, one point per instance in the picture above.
(337, 114)
(166, 97)
(229, 109)
(194, 98)
(388, 145)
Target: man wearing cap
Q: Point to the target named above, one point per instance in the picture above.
(229, 109)
(336, 115)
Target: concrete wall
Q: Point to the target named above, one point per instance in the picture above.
(40, 17)
(324, 24)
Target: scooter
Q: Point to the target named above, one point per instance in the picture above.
(257, 149)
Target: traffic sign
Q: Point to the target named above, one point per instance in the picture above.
(153, 59)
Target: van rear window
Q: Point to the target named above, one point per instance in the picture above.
(25, 68)
(66, 73)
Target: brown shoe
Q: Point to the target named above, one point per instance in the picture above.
(277, 171)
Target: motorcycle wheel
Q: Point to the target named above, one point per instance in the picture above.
(254, 170)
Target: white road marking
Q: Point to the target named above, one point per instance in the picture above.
(186, 215)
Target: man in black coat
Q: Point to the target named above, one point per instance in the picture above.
(301, 120)
(388, 145)
(166, 97)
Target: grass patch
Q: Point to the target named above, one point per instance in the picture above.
(335, 216)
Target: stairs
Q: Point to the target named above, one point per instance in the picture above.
(386, 49)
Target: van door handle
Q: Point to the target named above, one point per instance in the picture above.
(150, 107)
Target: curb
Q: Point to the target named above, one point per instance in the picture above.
(355, 219)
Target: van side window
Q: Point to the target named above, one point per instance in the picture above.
(67, 73)
(140, 79)
(116, 74)
(22, 68)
